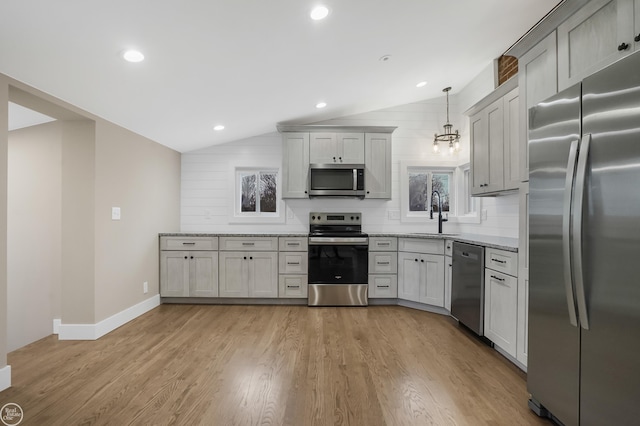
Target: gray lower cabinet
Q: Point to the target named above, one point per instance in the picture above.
(248, 274)
(421, 271)
(383, 267)
(293, 266)
(188, 273)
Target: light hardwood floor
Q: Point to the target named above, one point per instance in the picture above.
(271, 365)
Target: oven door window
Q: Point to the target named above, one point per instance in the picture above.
(338, 264)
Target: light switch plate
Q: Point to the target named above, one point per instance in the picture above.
(115, 213)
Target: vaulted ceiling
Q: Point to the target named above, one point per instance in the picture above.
(251, 64)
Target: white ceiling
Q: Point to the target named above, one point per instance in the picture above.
(251, 64)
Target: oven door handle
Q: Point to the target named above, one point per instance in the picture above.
(338, 241)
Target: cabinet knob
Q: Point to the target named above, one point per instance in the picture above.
(637, 38)
(245, 258)
(191, 257)
(186, 257)
(368, 192)
(623, 46)
(340, 158)
(250, 257)
(334, 159)
(305, 192)
(415, 260)
(422, 260)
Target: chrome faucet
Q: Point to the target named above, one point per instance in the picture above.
(440, 218)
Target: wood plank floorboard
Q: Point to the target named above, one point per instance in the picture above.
(271, 365)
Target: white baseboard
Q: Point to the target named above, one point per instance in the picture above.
(56, 325)
(95, 331)
(5, 377)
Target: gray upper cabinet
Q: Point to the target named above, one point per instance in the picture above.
(495, 141)
(347, 148)
(325, 144)
(295, 164)
(377, 160)
(594, 37)
(537, 80)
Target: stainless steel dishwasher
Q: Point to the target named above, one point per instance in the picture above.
(467, 286)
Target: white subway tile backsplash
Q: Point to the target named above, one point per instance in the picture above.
(206, 176)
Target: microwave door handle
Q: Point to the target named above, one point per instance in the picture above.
(566, 232)
(355, 179)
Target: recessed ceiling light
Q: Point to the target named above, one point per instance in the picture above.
(133, 55)
(219, 127)
(421, 84)
(321, 105)
(319, 12)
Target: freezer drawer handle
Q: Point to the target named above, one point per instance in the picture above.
(497, 278)
(576, 222)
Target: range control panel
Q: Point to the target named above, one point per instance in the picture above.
(324, 218)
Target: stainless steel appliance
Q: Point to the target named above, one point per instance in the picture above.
(467, 286)
(338, 260)
(584, 233)
(336, 180)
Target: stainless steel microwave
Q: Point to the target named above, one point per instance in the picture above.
(336, 180)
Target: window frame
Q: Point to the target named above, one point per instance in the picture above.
(458, 192)
(236, 213)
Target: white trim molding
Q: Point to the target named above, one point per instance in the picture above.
(5, 377)
(96, 331)
(56, 325)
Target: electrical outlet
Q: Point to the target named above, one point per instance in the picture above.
(145, 287)
(207, 214)
(393, 214)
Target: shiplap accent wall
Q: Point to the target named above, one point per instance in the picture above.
(207, 177)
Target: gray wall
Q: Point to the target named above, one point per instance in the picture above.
(103, 263)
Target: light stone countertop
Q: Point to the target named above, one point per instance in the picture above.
(501, 243)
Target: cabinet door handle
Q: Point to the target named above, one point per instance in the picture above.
(384, 244)
(188, 244)
(248, 244)
(382, 263)
(382, 286)
(293, 263)
(498, 261)
(293, 286)
(293, 244)
(623, 46)
(340, 158)
(497, 278)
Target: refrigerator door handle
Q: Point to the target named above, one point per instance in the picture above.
(578, 199)
(566, 232)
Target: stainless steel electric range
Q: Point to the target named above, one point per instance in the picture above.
(338, 260)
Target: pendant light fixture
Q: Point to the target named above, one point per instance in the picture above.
(449, 137)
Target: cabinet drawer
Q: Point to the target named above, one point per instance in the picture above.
(383, 286)
(426, 246)
(503, 261)
(294, 286)
(383, 244)
(448, 248)
(383, 262)
(188, 243)
(249, 243)
(293, 262)
(293, 243)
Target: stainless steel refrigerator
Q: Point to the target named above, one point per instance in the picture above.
(584, 232)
